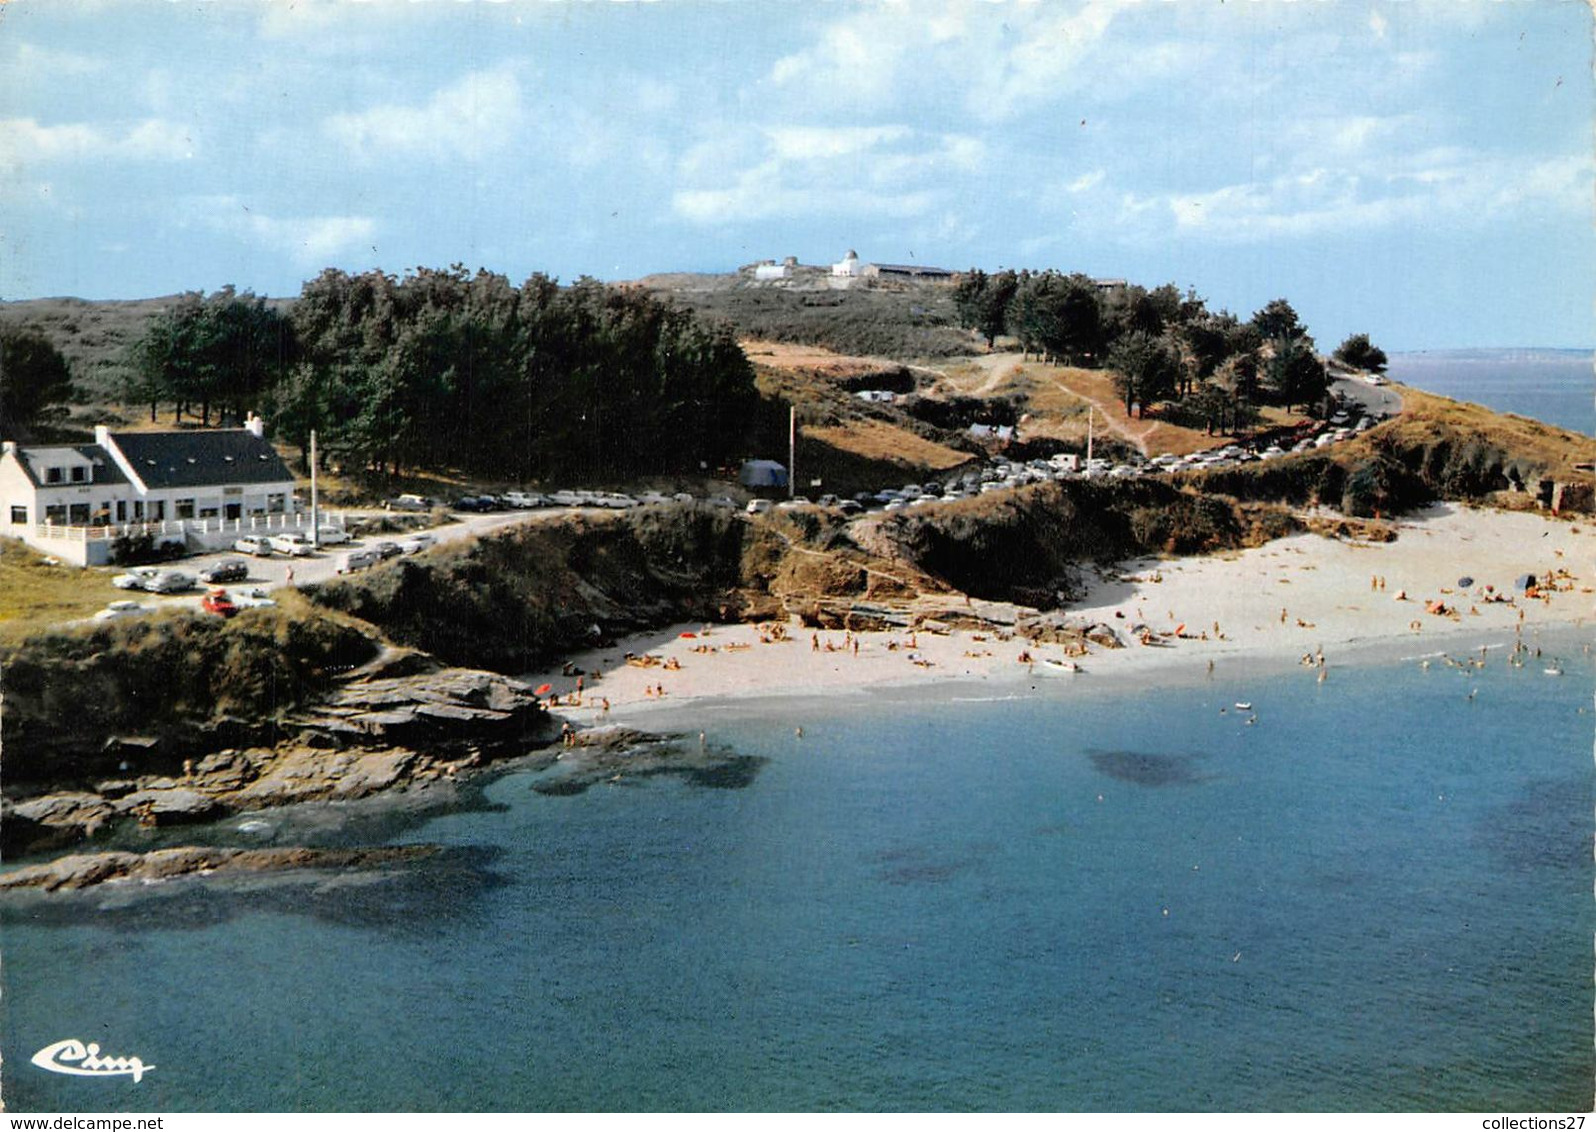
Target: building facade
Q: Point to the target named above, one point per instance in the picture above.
(189, 481)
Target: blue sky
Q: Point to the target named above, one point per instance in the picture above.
(1421, 171)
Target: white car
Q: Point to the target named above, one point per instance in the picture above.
(332, 536)
(119, 609)
(258, 545)
(138, 578)
(566, 499)
(293, 545)
(522, 500)
(759, 506)
(255, 597)
(415, 544)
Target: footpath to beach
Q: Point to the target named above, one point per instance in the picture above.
(1284, 602)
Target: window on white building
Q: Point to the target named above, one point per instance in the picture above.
(183, 508)
(19, 514)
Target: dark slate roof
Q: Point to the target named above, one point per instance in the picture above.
(912, 269)
(201, 458)
(105, 468)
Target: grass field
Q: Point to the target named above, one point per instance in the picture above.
(35, 595)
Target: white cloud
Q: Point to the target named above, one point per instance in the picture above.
(308, 241)
(1459, 188)
(25, 141)
(30, 61)
(479, 114)
(813, 170)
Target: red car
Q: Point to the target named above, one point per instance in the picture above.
(219, 603)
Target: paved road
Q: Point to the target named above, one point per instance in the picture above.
(1380, 399)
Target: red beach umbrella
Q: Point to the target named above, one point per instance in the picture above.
(545, 689)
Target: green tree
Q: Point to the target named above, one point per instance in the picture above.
(1145, 368)
(225, 351)
(1293, 373)
(1278, 320)
(1357, 352)
(34, 378)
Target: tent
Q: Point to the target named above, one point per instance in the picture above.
(763, 473)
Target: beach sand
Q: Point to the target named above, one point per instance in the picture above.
(1283, 603)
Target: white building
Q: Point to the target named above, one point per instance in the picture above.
(72, 500)
(849, 268)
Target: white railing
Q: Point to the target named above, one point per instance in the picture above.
(182, 528)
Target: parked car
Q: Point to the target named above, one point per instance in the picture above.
(255, 597)
(294, 545)
(415, 544)
(332, 536)
(474, 503)
(386, 549)
(219, 603)
(759, 506)
(522, 500)
(120, 609)
(173, 582)
(137, 578)
(357, 560)
(227, 570)
(409, 502)
(258, 545)
(721, 501)
(566, 499)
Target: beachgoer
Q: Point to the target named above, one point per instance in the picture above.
(604, 703)
(814, 642)
(288, 577)
(1282, 616)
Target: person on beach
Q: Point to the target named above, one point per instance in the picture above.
(814, 642)
(288, 578)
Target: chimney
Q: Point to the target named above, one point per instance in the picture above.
(255, 426)
(102, 436)
(9, 447)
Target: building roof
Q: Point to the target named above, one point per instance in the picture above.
(33, 461)
(912, 269)
(201, 458)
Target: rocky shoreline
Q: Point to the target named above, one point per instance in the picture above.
(378, 732)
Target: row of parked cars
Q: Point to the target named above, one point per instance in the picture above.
(291, 543)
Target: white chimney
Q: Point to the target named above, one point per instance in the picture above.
(102, 436)
(255, 426)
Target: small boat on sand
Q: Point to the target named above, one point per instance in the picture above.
(1064, 666)
(1242, 706)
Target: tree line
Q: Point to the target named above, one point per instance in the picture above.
(1162, 346)
(448, 368)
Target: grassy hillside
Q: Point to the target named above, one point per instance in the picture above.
(906, 321)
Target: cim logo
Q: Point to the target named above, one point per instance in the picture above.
(79, 1060)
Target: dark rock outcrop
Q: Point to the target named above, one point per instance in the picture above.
(88, 869)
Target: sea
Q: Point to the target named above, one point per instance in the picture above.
(1371, 894)
(1555, 386)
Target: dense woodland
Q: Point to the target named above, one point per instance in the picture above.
(443, 368)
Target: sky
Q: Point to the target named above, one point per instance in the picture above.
(1418, 170)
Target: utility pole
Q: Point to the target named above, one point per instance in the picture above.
(1089, 408)
(315, 514)
(792, 449)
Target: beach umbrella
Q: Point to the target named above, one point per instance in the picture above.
(1524, 581)
(1464, 582)
(545, 689)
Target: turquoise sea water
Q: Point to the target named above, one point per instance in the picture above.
(1556, 386)
(1378, 897)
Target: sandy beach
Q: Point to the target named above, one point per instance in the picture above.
(1284, 603)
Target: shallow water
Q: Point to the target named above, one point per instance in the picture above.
(1377, 897)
